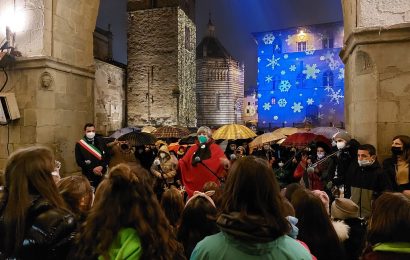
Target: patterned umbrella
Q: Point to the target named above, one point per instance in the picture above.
(138, 138)
(233, 132)
(171, 132)
(266, 138)
(288, 130)
(327, 131)
(304, 139)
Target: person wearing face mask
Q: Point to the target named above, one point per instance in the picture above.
(203, 162)
(91, 155)
(398, 165)
(347, 154)
(367, 179)
(318, 175)
(164, 168)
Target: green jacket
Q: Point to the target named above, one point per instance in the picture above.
(127, 245)
(224, 246)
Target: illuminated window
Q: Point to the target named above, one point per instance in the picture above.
(301, 46)
(327, 43)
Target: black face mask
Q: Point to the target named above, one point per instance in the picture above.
(396, 151)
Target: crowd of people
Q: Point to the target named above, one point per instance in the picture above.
(275, 202)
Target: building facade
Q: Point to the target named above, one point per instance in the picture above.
(300, 76)
(161, 63)
(219, 83)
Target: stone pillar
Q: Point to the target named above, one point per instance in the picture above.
(53, 80)
(377, 70)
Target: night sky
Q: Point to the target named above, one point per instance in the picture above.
(235, 21)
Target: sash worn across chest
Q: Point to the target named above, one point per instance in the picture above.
(91, 149)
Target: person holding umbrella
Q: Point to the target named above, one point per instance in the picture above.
(203, 162)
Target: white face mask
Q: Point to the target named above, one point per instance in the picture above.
(162, 155)
(280, 164)
(90, 135)
(320, 155)
(364, 163)
(340, 145)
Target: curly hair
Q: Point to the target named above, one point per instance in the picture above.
(123, 201)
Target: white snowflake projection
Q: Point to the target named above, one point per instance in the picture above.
(268, 38)
(283, 72)
(262, 52)
(315, 88)
(282, 102)
(309, 52)
(273, 62)
(333, 64)
(259, 59)
(341, 73)
(285, 56)
(289, 40)
(311, 71)
(332, 111)
(320, 115)
(310, 101)
(277, 47)
(292, 67)
(329, 55)
(300, 94)
(322, 57)
(268, 78)
(328, 88)
(257, 83)
(266, 106)
(259, 95)
(275, 118)
(335, 96)
(320, 105)
(284, 86)
(272, 92)
(297, 107)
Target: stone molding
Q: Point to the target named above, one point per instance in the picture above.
(374, 35)
(23, 63)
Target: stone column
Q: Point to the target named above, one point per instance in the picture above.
(377, 70)
(53, 78)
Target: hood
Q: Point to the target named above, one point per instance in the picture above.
(342, 230)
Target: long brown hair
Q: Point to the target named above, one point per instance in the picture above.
(124, 201)
(406, 146)
(315, 227)
(27, 174)
(390, 221)
(251, 188)
(172, 203)
(73, 189)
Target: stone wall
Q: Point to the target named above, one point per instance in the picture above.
(161, 71)
(109, 97)
(377, 72)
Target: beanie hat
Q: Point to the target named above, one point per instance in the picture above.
(342, 135)
(343, 208)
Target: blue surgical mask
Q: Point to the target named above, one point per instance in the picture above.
(202, 139)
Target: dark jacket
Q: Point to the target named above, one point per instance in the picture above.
(49, 232)
(367, 183)
(88, 162)
(389, 166)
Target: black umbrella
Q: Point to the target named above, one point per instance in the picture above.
(138, 138)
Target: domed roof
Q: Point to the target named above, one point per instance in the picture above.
(210, 46)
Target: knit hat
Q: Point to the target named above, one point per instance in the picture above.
(342, 135)
(343, 208)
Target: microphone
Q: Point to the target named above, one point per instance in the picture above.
(197, 159)
(232, 157)
(158, 164)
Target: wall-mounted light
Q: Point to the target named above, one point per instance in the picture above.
(12, 21)
(301, 34)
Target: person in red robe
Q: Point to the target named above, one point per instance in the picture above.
(205, 161)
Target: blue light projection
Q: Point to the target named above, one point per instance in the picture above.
(294, 87)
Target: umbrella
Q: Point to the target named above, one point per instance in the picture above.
(304, 139)
(148, 129)
(266, 138)
(288, 130)
(138, 138)
(171, 132)
(233, 132)
(124, 131)
(327, 131)
(189, 139)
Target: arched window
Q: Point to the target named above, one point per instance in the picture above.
(328, 78)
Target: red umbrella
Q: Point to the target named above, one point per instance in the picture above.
(304, 139)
